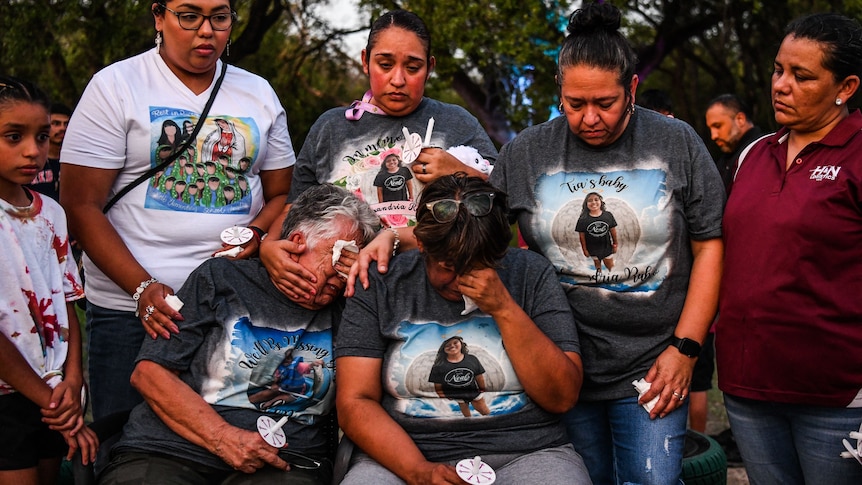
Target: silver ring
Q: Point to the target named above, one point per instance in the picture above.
(424, 168)
(147, 317)
(680, 396)
(150, 309)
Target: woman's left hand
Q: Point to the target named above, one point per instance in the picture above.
(433, 163)
(669, 377)
(380, 250)
(245, 251)
(485, 288)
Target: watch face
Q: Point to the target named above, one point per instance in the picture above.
(688, 347)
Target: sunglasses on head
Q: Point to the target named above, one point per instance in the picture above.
(446, 210)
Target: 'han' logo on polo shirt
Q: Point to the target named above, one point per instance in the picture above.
(829, 172)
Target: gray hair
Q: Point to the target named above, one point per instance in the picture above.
(316, 210)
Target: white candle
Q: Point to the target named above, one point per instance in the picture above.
(278, 425)
(406, 133)
(477, 465)
(428, 132)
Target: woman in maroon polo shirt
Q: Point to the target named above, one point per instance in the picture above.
(789, 336)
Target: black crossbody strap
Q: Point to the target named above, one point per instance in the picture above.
(173, 156)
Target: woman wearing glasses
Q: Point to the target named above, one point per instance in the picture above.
(463, 281)
(645, 316)
(135, 254)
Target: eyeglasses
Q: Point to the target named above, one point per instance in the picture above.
(194, 20)
(445, 210)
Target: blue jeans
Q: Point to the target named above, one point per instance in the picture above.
(792, 443)
(114, 340)
(620, 444)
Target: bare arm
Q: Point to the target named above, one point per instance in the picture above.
(380, 250)
(671, 371)
(290, 277)
(16, 372)
(552, 378)
(365, 421)
(187, 414)
(84, 193)
(583, 239)
(64, 408)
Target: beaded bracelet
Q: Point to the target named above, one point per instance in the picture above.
(140, 291)
(397, 240)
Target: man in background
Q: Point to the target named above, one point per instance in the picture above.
(730, 127)
(47, 182)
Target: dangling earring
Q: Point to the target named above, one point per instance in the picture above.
(228, 48)
(158, 40)
(561, 106)
(631, 109)
(838, 102)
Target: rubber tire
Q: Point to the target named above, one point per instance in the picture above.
(703, 462)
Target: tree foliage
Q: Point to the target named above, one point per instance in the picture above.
(497, 58)
(732, 51)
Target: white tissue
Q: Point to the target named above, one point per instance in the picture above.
(174, 302)
(469, 305)
(642, 386)
(232, 252)
(339, 246)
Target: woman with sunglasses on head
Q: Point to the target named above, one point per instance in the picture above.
(347, 146)
(463, 281)
(647, 314)
(135, 254)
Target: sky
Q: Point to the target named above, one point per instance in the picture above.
(343, 13)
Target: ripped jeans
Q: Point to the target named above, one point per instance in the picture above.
(620, 444)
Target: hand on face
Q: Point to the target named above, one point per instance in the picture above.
(485, 288)
(317, 260)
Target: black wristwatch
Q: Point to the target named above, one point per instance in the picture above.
(686, 346)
